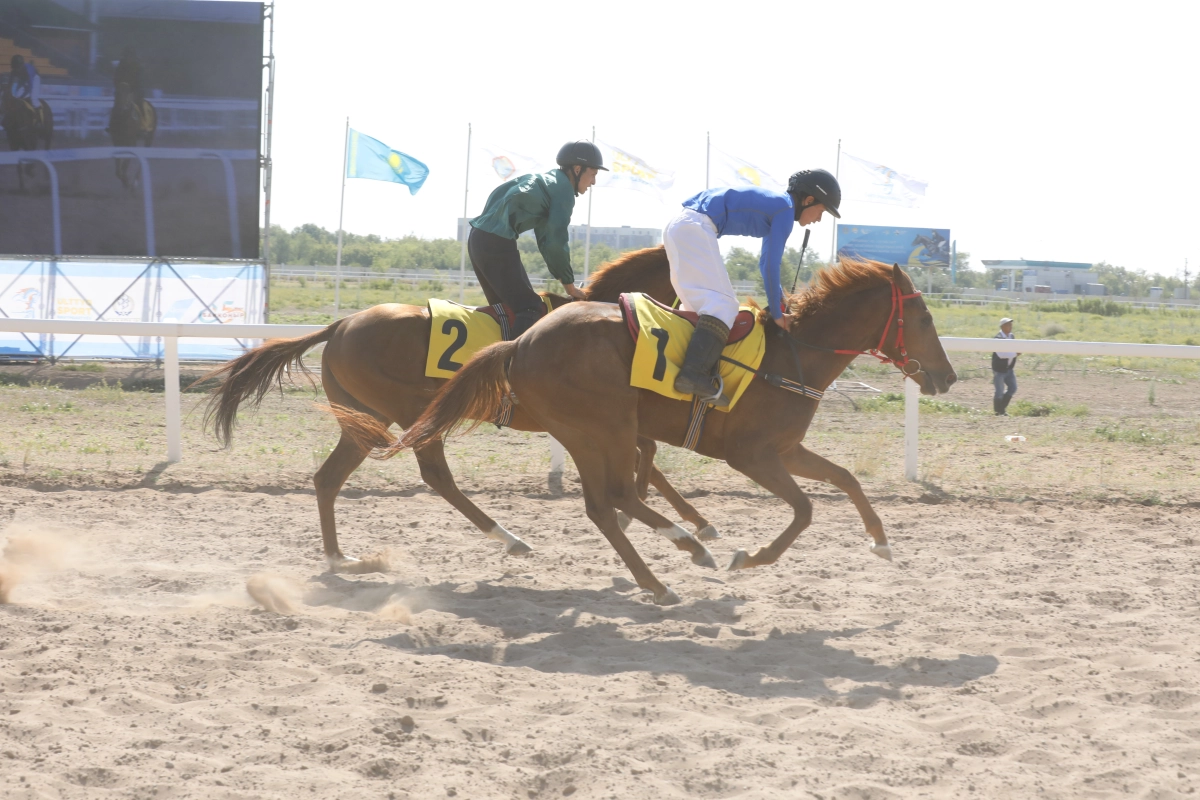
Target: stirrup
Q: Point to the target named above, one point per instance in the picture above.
(717, 395)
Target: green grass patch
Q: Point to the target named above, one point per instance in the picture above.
(85, 367)
(1028, 408)
(1116, 432)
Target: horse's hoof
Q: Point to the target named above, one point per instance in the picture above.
(342, 563)
(884, 551)
(708, 533)
(518, 548)
(739, 560)
(704, 559)
(667, 598)
(356, 566)
(623, 520)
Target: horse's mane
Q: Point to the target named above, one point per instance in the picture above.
(831, 284)
(612, 278)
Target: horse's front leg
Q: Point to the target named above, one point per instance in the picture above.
(803, 462)
(762, 463)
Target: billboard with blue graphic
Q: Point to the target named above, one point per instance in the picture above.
(150, 291)
(908, 247)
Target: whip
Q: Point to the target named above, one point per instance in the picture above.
(803, 247)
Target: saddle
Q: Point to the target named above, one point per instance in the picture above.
(743, 323)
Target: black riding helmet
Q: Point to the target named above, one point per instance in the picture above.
(579, 154)
(818, 184)
(17, 60)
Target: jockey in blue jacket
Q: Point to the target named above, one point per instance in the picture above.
(698, 270)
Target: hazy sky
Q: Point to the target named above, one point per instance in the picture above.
(1046, 130)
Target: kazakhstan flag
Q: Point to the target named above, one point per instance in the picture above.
(371, 158)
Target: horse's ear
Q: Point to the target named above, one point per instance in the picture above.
(897, 274)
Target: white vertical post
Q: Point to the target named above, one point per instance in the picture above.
(337, 280)
(171, 381)
(707, 156)
(466, 229)
(558, 456)
(837, 174)
(587, 239)
(912, 397)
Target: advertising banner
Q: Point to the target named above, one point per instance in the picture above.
(159, 291)
(908, 247)
(133, 128)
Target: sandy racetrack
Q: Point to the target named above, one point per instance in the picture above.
(1018, 648)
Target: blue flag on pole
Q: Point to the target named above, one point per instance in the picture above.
(371, 158)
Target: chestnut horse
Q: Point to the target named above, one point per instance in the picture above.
(374, 364)
(570, 374)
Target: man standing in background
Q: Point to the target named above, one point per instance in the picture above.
(1003, 376)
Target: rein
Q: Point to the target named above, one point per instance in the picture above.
(897, 314)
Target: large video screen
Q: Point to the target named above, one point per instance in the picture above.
(908, 247)
(131, 127)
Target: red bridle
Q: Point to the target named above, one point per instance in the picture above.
(898, 315)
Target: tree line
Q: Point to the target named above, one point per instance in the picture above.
(312, 245)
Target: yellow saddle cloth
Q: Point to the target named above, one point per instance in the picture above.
(662, 340)
(457, 333)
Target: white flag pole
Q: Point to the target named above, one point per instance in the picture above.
(466, 230)
(837, 173)
(707, 156)
(587, 237)
(337, 283)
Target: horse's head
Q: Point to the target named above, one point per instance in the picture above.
(867, 306)
(124, 95)
(910, 338)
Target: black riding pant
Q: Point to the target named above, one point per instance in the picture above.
(502, 276)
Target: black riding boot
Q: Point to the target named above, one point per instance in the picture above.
(996, 406)
(525, 319)
(1004, 401)
(696, 376)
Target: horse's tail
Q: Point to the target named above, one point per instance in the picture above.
(251, 375)
(363, 429)
(475, 393)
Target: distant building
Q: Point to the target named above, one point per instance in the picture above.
(622, 238)
(1057, 277)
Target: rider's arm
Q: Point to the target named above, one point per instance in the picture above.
(553, 232)
(771, 256)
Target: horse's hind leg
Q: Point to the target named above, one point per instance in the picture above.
(436, 474)
(332, 475)
(595, 476)
(764, 466)
(328, 481)
(807, 464)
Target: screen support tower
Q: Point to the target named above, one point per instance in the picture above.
(265, 158)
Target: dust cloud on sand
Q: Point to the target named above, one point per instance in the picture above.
(29, 553)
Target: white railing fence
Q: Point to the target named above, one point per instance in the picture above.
(172, 332)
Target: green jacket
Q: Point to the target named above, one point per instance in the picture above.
(542, 203)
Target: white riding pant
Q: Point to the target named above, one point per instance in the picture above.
(697, 270)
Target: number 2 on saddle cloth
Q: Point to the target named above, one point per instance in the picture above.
(458, 332)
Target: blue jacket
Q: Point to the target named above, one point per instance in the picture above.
(752, 211)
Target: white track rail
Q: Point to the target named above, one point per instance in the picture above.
(172, 332)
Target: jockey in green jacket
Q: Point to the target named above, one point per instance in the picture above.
(542, 203)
